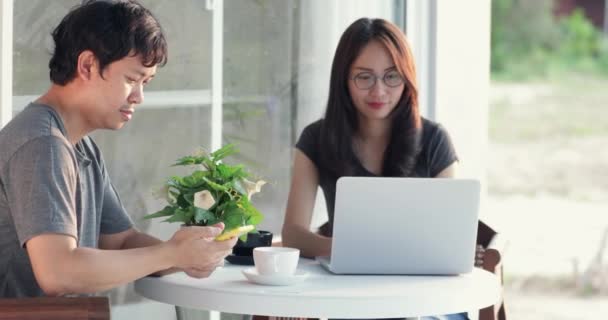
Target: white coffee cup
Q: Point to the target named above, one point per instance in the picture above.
(276, 260)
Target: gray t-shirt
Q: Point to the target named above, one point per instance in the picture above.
(47, 185)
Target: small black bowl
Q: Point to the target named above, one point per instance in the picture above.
(240, 260)
(254, 240)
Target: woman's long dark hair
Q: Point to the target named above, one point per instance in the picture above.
(341, 121)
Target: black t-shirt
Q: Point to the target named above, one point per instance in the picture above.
(437, 153)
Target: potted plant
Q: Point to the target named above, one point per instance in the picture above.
(214, 192)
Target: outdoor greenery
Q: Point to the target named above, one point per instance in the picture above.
(214, 192)
(528, 42)
(548, 122)
(547, 101)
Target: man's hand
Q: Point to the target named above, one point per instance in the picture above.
(196, 251)
(198, 273)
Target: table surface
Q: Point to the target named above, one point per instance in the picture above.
(325, 295)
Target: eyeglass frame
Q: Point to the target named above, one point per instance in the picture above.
(376, 77)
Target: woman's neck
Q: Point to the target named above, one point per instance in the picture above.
(370, 143)
(374, 130)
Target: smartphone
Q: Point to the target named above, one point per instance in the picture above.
(236, 232)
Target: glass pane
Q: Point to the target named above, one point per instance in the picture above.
(173, 120)
(259, 107)
(175, 116)
(33, 23)
(277, 58)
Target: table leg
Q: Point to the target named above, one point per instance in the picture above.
(195, 314)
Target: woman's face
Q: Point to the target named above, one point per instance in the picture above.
(374, 84)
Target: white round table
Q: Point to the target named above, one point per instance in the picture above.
(325, 295)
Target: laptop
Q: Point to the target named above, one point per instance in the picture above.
(409, 226)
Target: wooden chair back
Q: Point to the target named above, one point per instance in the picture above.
(55, 308)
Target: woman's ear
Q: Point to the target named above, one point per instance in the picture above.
(87, 65)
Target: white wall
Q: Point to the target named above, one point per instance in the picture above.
(451, 45)
(462, 79)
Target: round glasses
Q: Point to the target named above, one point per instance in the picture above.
(366, 80)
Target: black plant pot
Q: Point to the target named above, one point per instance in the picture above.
(242, 253)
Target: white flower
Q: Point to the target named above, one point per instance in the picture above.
(203, 199)
(252, 187)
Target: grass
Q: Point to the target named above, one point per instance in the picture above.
(557, 285)
(574, 107)
(549, 138)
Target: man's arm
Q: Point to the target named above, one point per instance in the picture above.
(61, 267)
(128, 239)
(131, 239)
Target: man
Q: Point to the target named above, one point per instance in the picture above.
(63, 229)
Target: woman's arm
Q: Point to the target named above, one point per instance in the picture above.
(449, 171)
(298, 215)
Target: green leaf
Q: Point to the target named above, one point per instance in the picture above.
(182, 202)
(248, 207)
(222, 204)
(180, 215)
(203, 216)
(233, 221)
(175, 182)
(187, 160)
(228, 172)
(216, 186)
(233, 217)
(223, 152)
(209, 164)
(166, 211)
(213, 221)
(238, 186)
(255, 220)
(199, 174)
(252, 215)
(223, 181)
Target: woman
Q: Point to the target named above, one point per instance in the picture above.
(372, 127)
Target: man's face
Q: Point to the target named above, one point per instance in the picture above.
(115, 96)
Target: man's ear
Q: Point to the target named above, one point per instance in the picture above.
(87, 65)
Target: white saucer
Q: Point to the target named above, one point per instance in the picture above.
(275, 280)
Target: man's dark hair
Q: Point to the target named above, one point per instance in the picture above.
(112, 30)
